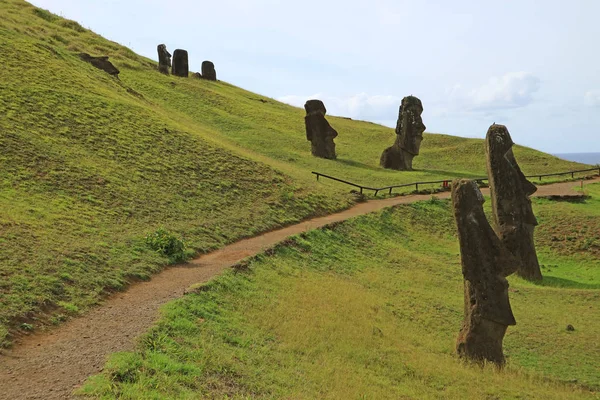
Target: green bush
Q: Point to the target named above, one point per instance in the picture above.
(167, 244)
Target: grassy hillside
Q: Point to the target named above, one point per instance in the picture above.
(370, 309)
(90, 164)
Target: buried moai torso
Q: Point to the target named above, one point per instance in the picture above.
(486, 263)
(180, 63)
(208, 71)
(409, 134)
(164, 59)
(511, 207)
(318, 131)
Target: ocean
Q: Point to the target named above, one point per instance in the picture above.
(585, 158)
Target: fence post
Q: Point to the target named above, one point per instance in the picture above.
(540, 178)
(361, 190)
(377, 191)
(391, 188)
(417, 187)
(572, 175)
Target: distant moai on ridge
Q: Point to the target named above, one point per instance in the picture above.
(486, 263)
(180, 63)
(318, 131)
(409, 134)
(164, 59)
(511, 207)
(208, 71)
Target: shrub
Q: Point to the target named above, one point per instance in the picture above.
(167, 244)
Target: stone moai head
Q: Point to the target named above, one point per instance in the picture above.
(410, 127)
(501, 158)
(164, 57)
(180, 63)
(208, 71)
(318, 130)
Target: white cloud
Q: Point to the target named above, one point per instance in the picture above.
(512, 90)
(359, 106)
(592, 98)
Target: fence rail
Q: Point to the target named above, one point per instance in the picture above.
(445, 182)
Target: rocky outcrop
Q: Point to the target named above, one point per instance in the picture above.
(485, 265)
(164, 59)
(101, 63)
(409, 134)
(318, 131)
(511, 207)
(208, 71)
(180, 63)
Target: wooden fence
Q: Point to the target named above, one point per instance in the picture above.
(445, 182)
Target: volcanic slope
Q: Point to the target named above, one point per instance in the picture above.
(91, 164)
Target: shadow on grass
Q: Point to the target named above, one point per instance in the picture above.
(551, 281)
(357, 164)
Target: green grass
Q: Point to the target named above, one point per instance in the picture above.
(370, 309)
(90, 165)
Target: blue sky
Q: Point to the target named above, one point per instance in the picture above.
(529, 64)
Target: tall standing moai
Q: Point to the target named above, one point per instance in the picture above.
(409, 134)
(511, 207)
(486, 263)
(164, 59)
(180, 63)
(318, 131)
(208, 71)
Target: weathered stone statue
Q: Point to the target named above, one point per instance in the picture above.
(180, 63)
(208, 71)
(409, 131)
(510, 190)
(485, 265)
(164, 59)
(101, 63)
(318, 131)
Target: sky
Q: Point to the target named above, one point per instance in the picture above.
(531, 65)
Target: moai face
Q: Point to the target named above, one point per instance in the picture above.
(164, 57)
(410, 125)
(500, 152)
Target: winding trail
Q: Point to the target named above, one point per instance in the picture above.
(50, 365)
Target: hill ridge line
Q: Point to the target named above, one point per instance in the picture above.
(51, 364)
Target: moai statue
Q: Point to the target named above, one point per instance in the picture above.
(318, 131)
(101, 63)
(208, 71)
(180, 63)
(409, 131)
(511, 207)
(164, 59)
(485, 265)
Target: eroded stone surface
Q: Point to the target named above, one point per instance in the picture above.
(318, 131)
(511, 207)
(100, 63)
(180, 63)
(485, 265)
(409, 134)
(208, 71)
(164, 59)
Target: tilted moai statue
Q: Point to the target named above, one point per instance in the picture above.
(511, 207)
(180, 63)
(486, 263)
(409, 131)
(318, 131)
(101, 63)
(164, 59)
(208, 71)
